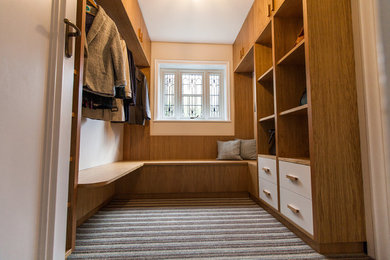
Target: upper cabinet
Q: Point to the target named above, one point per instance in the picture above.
(261, 16)
(255, 23)
(131, 25)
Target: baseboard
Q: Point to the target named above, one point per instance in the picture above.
(183, 195)
(93, 211)
(322, 248)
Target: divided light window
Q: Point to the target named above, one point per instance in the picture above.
(192, 95)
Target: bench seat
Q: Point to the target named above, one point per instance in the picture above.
(108, 173)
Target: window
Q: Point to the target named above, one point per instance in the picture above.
(196, 92)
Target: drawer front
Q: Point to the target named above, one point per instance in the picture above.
(268, 192)
(296, 178)
(267, 169)
(297, 208)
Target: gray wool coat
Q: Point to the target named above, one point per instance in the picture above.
(104, 64)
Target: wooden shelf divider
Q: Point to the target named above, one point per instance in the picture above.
(304, 161)
(267, 118)
(296, 56)
(267, 76)
(265, 37)
(301, 110)
(268, 156)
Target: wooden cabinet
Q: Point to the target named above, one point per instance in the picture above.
(128, 17)
(260, 16)
(318, 142)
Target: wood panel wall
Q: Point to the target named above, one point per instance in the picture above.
(140, 145)
(90, 200)
(180, 180)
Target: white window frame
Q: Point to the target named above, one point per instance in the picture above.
(207, 69)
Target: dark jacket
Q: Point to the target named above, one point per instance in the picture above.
(141, 110)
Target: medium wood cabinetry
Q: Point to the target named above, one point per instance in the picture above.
(128, 17)
(317, 189)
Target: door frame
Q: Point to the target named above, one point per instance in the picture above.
(374, 123)
(50, 240)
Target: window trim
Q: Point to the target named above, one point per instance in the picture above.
(220, 67)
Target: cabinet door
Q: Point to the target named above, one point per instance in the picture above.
(145, 39)
(260, 16)
(237, 50)
(275, 4)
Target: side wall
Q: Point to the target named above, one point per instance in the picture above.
(100, 143)
(23, 74)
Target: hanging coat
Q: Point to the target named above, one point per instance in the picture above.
(140, 112)
(104, 65)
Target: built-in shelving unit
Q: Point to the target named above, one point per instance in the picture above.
(303, 59)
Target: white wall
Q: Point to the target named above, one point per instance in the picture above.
(24, 52)
(100, 143)
(191, 52)
(373, 116)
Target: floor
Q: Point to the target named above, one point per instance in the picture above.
(233, 228)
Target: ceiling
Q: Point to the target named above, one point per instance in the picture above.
(194, 21)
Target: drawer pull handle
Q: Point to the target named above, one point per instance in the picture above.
(266, 170)
(293, 209)
(292, 178)
(267, 193)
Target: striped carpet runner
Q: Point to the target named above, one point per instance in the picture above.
(222, 228)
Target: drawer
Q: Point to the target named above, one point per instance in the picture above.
(268, 192)
(297, 208)
(267, 169)
(296, 178)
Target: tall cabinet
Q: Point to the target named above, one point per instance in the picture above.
(311, 179)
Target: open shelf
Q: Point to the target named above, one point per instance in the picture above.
(290, 9)
(247, 63)
(302, 160)
(267, 76)
(296, 56)
(268, 156)
(301, 110)
(265, 37)
(267, 118)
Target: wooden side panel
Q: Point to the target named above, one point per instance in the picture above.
(75, 133)
(184, 179)
(333, 122)
(89, 201)
(253, 181)
(139, 145)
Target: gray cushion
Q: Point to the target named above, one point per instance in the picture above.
(248, 149)
(229, 150)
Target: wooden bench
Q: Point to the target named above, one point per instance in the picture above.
(162, 179)
(108, 173)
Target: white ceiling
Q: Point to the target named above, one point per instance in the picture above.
(194, 21)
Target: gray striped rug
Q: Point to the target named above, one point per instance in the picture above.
(221, 228)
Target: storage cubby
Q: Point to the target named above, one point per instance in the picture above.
(263, 134)
(288, 24)
(293, 135)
